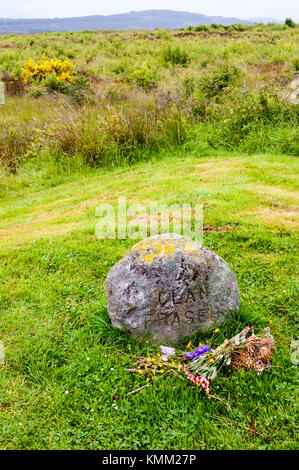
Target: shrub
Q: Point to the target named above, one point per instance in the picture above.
(237, 27)
(296, 65)
(63, 71)
(52, 84)
(188, 85)
(36, 90)
(80, 90)
(175, 55)
(212, 84)
(198, 105)
(55, 76)
(290, 23)
(145, 76)
(246, 123)
(115, 95)
(119, 68)
(282, 139)
(163, 35)
(201, 27)
(285, 139)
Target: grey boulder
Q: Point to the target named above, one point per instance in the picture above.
(168, 287)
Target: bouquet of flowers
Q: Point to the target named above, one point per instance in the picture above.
(244, 351)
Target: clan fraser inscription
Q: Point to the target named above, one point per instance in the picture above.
(169, 287)
(175, 308)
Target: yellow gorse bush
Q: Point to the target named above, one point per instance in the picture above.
(63, 70)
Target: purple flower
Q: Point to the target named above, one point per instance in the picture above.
(198, 351)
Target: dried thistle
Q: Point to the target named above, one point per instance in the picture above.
(255, 353)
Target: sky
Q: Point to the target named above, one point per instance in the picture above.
(278, 9)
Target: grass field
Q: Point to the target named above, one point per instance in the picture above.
(65, 362)
(130, 94)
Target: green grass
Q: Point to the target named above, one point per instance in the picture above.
(57, 334)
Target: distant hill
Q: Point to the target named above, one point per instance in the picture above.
(150, 19)
(265, 20)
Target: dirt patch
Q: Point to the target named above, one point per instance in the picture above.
(221, 229)
(9, 46)
(222, 166)
(273, 191)
(280, 205)
(38, 234)
(269, 68)
(43, 218)
(203, 34)
(276, 218)
(165, 218)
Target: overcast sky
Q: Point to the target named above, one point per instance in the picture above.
(278, 9)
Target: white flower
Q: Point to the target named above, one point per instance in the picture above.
(88, 358)
(166, 352)
(111, 368)
(214, 374)
(66, 392)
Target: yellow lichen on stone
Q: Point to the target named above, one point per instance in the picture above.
(151, 249)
